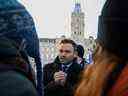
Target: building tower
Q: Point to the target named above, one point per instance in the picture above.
(77, 23)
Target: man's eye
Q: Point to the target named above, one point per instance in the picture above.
(66, 51)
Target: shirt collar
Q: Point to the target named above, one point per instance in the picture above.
(68, 65)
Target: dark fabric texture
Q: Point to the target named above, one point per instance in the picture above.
(7, 48)
(8, 51)
(17, 24)
(15, 84)
(83, 64)
(112, 28)
(53, 89)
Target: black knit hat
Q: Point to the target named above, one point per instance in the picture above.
(80, 51)
(113, 27)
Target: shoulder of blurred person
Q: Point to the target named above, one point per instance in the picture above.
(15, 84)
(13, 66)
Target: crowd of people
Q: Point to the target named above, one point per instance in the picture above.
(69, 74)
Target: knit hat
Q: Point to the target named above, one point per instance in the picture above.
(113, 27)
(80, 51)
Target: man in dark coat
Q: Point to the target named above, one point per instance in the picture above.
(61, 76)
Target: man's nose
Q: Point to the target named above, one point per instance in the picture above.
(63, 54)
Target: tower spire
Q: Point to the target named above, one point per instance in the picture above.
(77, 22)
(77, 8)
(77, 1)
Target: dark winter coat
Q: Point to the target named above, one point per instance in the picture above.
(53, 89)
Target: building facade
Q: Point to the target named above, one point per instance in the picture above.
(48, 47)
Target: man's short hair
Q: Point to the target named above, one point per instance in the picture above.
(65, 41)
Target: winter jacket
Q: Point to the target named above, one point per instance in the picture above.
(53, 89)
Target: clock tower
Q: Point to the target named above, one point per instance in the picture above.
(77, 23)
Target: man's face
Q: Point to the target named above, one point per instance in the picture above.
(66, 53)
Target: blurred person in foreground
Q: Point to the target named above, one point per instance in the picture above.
(61, 76)
(16, 78)
(17, 24)
(108, 76)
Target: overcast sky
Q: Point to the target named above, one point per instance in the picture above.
(52, 17)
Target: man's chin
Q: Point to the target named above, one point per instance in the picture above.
(62, 62)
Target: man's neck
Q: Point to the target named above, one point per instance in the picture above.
(67, 63)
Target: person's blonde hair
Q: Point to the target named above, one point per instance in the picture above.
(95, 76)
